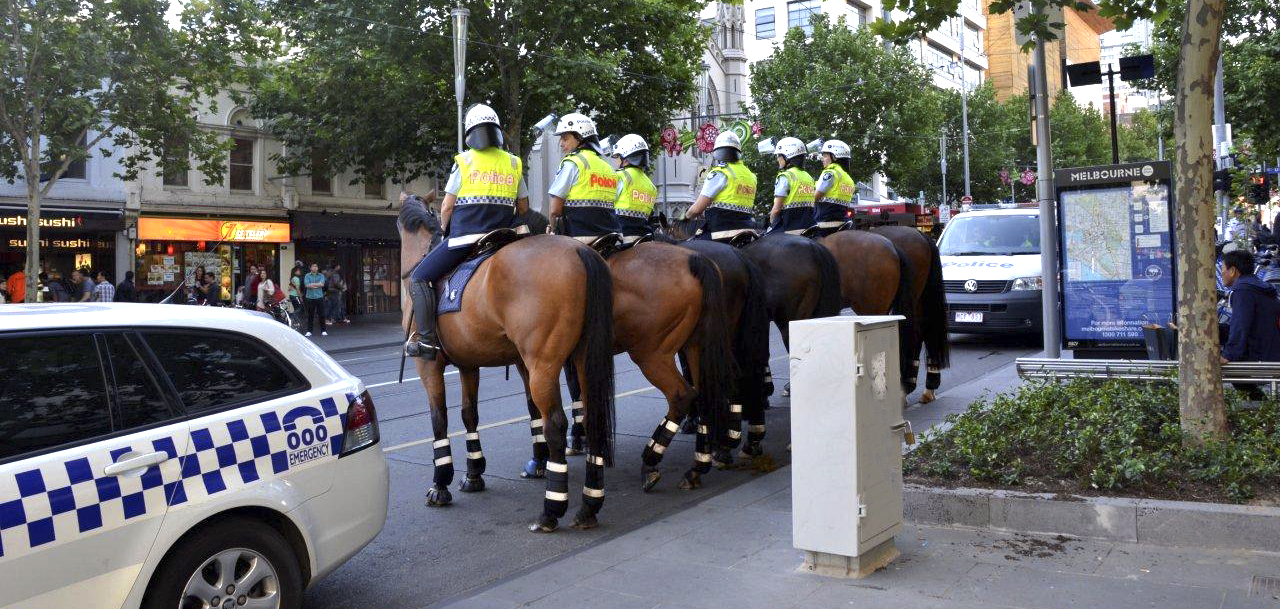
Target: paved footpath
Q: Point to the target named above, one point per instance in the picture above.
(734, 551)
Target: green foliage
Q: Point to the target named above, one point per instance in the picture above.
(373, 80)
(95, 70)
(842, 83)
(1115, 436)
(1138, 139)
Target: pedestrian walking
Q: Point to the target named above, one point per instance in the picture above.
(250, 287)
(57, 288)
(266, 291)
(1254, 330)
(103, 291)
(295, 286)
(313, 283)
(213, 287)
(199, 290)
(126, 291)
(81, 286)
(335, 291)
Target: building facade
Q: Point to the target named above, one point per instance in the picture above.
(1080, 42)
(1114, 45)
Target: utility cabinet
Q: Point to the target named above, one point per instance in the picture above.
(846, 442)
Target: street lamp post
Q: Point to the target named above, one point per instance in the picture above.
(964, 108)
(459, 61)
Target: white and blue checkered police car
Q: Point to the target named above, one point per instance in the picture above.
(174, 456)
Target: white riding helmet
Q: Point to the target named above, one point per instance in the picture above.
(575, 122)
(634, 149)
(482, 128)
(790, 148)
(836, 148)
(727, 147)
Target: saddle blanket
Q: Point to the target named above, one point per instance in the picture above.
(449, 292)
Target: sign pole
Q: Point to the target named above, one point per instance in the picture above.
(1052, 332)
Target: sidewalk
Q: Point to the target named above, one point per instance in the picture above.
(367, 331)
(734, 550)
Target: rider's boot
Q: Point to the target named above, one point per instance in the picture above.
(424, 343)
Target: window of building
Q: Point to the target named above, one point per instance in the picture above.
(242, 164)
(321, 181)
(77, 169)
(858, 15)
(54, 393)
(138, 394)
(973, 38)
(174, 162)
(375, 182)
(764, 23)
(800, 12)
(217, 371)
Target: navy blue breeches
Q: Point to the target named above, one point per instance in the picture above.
(438, 262)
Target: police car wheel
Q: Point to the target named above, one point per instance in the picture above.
(237, 564)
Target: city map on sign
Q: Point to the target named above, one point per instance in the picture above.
(1096, 223)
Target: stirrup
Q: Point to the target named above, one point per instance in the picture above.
(415, 347)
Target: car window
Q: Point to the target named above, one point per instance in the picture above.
(991, 235)
(138, 393)
(211, 371)
(53, 393)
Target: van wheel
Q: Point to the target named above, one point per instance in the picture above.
(236, 564)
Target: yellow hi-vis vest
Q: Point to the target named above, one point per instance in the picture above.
(802, 189)
(638, 194)
(739, 192)
(490, 176)
(597, 184)
(841, 192)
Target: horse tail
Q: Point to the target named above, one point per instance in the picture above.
(934, 324)
(751, 337)
(830, 301)
(907, 330)
(595, 347)
(712, 337)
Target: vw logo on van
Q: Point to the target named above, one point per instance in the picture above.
(971, 286)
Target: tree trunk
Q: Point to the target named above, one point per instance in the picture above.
(1200, 400)
(33, 240)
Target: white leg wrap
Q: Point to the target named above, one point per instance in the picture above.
(657, 448)
(479, 454)
(539, 439)
(594, 460)
(671, 426)
(593, 492)
(735, 408)
(755, 428)
(702, 457)
(440, 443)
(554, 496)
(472, 435)
(444, 461)
(734, 434)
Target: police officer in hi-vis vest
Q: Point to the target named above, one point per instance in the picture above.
(793, 191)
(834, 203)
(728, 194)
(585, 186)
(485, 191)
(636, 192)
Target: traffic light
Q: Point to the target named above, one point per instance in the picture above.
(1222, 180)
(1259, 188)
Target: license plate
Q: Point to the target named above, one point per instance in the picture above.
(969, 316)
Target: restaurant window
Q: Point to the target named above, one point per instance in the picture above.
(174, 162)
(374, 182)
(764, 23)
(321, 181)
(242, 164)
(380, 279)
(800, 12)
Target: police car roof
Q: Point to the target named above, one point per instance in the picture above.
(1003, 211)
(56, 316)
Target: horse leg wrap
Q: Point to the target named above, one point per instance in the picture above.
(733, 435)
(593, 489)
(443, 462)
(557, 495)
(475, 456)
(662, 437)
(932, 377)
(540, 451)
(701, 451)
(576, 432)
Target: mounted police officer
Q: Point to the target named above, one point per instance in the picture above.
(585, 186)
(729, 193)
(636, 192)
(485, 191)
(793, 191)
(834, 198)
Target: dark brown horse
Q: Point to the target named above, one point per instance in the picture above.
(537, 303)
(669, 300)
(928, 307)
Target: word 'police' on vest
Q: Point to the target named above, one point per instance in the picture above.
(492, 177)
(605, 181)
(744, 189)
(642, 196)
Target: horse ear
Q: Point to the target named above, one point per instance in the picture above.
(430, 197)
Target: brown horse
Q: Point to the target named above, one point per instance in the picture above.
(537, 303)
(669, 300)
(928, 314)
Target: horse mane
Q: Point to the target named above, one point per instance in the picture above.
(415, 216)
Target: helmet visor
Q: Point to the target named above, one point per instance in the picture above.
(484, 136)
(638, 159)
(725, 154)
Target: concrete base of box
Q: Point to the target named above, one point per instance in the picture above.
(855, 567)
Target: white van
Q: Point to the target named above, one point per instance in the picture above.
(991, 270)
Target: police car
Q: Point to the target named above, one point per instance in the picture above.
(172, 456)
(991, 270)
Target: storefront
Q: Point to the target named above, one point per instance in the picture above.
(365, 246)
(170, 250)
(70, 238)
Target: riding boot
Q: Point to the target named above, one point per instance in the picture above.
(424, 343)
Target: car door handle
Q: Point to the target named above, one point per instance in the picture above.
(135, 463)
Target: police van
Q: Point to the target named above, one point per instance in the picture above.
(991, 270)
(176, 456)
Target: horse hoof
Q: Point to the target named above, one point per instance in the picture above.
(438, 496)
(752, 450)
(722, 459)
(583, 521)
(575, 446)
(471, 485)
(534, 469)
(649, 479)
(691, 481)
(927, 396)
(572, 452)
(689, 426)
(544, 524)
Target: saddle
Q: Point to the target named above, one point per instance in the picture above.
(450, 289)
(630, 242)
(607, 245)
(742, 239)
(819, 231)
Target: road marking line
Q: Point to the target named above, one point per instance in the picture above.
(449, 373)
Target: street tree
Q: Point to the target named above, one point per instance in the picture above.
(840, 82)
(1201, 406)
(370, 81)
(78, 74)
(1139, 138)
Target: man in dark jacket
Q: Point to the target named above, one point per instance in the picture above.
(126, 291)
(1254, 334)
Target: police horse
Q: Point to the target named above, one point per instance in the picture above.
(927, 307)
(536, 303)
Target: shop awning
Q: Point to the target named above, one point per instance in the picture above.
(344, 226)
(61, 214)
